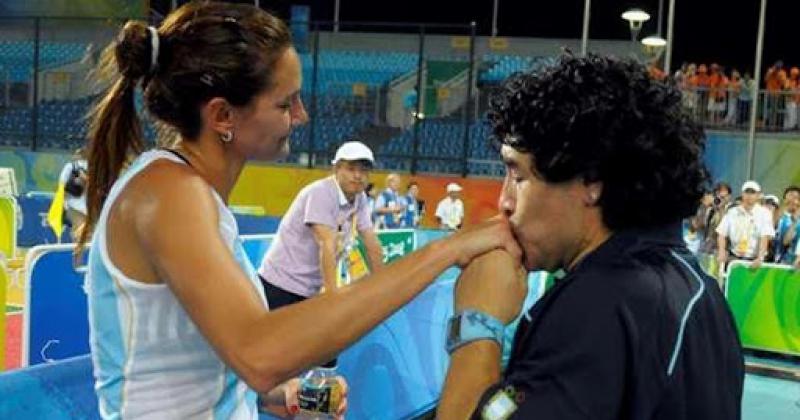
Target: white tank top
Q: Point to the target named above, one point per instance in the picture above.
(150, 360)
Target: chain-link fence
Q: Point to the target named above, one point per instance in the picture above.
(415, 93)
(412, 92)
(44, 64)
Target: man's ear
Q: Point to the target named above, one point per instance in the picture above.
(594, 191)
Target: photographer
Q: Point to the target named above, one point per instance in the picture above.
(698, 225)
(708, 248)
(73, 178)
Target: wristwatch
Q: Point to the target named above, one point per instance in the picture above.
(470, 325)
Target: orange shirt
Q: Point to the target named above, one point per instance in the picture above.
(689, 82)
(700, 80)
(717, 82)
(776, 79)
(793, 85)
(656, 73)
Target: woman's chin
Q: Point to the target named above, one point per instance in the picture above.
(278, 153)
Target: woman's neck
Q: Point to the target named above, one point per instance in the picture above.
(214, 162)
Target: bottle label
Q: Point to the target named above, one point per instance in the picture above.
(322, 399)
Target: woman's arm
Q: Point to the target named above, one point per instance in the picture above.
(179, 231)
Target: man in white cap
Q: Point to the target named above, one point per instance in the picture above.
(450, 211)
(320, 229)
(745, 230)
(773, 206)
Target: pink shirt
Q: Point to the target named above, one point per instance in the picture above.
(292, 262)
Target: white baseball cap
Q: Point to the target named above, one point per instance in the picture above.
(772, 199)
(453, 187)
(353, 150)
(751, 185)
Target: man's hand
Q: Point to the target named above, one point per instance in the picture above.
(494, 283)
(475, 240)
(722, 257)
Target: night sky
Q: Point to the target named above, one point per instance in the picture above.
(722, 31)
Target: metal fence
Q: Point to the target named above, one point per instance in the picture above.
(415, 93)
(730, 108)
(410, 93)
(44, 91)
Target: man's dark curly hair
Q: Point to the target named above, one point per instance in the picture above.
(603, 119)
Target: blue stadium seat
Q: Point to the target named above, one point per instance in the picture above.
(61, 124)
(503, 66)
(16, 57)
(339, 70)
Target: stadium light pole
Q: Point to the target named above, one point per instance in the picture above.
(635, 18)
(336, 16)
(670, 34)
(494, 17)
(654, 46)
(751, 138)
(660, 16)
(587, 10)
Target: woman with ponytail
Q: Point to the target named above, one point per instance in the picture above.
(180, 327)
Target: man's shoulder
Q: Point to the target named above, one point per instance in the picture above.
(733, 211)
(628, 264)
(763, 212)
(362, 200)
(320, 186)
(320, 189)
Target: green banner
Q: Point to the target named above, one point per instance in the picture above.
(396, 244)
(6, 309)
(766, 305)
(8, 227)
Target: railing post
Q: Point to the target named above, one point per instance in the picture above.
(420, 94)
(314, 99)
(468, 102)
(35, 94)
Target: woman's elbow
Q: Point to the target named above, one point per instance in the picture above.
(258, 370)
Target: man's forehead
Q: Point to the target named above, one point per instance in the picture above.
(363, 164)
(513, 156)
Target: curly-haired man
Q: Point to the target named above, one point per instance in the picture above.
(602, 166)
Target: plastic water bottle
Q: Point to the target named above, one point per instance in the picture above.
(320, 394)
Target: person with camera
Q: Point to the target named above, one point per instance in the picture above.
(720, 204)
(73, 178)
(698, 225)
